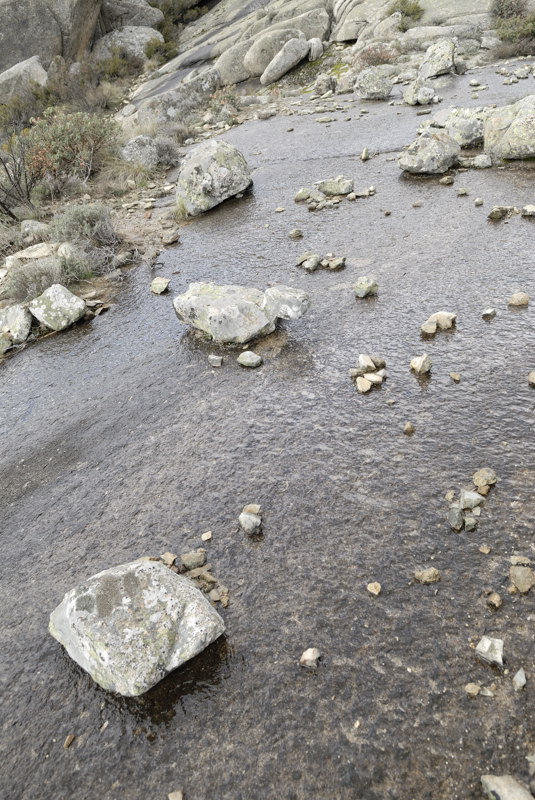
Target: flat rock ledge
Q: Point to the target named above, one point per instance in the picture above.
(131, 625)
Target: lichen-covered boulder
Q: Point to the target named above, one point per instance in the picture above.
(16, 321)
(375, 83)
(130, 39)
(439, 59)
(266, 47)
(237, 314)
(131, 625)
(57, 307)
(510, 130)
(141, 150)
(210, 173)
(288, 57)
(19, 80)
(431, 153)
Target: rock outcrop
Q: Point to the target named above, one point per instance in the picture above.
(131, 625)
(19, 80)
(510, 130)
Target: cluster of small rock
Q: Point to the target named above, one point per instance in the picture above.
(311, 262)
(369, 372)
(464, 511)
(193, 565)
(330, 193)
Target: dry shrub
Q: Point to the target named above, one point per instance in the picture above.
(26, 281)
(505, 9)
(375, 54)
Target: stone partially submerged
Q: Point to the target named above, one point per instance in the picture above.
(430, 153)
(57, 307)
(211, 173)
(131, 625)
(237, 314)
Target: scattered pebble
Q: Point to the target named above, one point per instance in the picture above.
(472, 689)
(462, 192)
(310, 658)
(519, 299)
(194, 559)
(296, 233)
(522, 578)
(500, 212)
(531, 378)
(365, 155)
(374, 588)
(441, 320)
(447, 180)
(279, 210)
(490, 650)
(249, 359)
(494, 600)
(456, 378)
(370, 371)
(485, 549)
(215, 361)
(365, 287)
(489, 313)
(528, 211)
(484, 477)
(250, 518)
(205, 537)
(519, 680)
(421, 365)
(178, 795)
(71, 737)
(427, 576)
(408, 429)
(159, 285)
(478, 202)
(168, 559)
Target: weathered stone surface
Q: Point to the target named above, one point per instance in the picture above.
(426, 576)
(131, 625)
(57, 307)
(510, 130)
(439, 59)
(466, 127)
(431, 153)
(16, 321)
(504, 787)
(230, 63)
(130, 39)
(45, 28)
(266, 47)
(141, 150)
(19, 80)
(135, 13)
(375, 83)
(237, 314)
(210, 173)
(290, 54)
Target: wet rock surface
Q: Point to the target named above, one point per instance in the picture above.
(101, 466)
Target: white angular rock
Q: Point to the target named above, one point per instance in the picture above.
(431, 153)
(510, 130)
(310, 658)
(490, 650)
(421, 364)
(57, 307)
(365, 287)
(237, 314)
(290, 54)
(131, 625)
(16, 321)
(439, 59)
(441, 320)
(519, 680)
(504, 787)
(210, 173)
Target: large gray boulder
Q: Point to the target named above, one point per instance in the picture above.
(119, 13)
(439, 59)
(237, 314)
(130, 40)
(266, 47)
(375, 83)
(315, 23)
(510, 130)
(210, 173)
(466, 126)
(175, 104)
(286, 59)
(57, 307)
(431, 153)
(16, 321)
(141, 150)
(19, 80)
(131, 625)
(230, 64)
(46, 28)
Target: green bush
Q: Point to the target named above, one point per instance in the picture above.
(120, 64)
(161, 51)
(26, 281)
(19, 176)
(63, 145)
(411, 11)
(90, 223)
(505, 9)
(518, 29)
